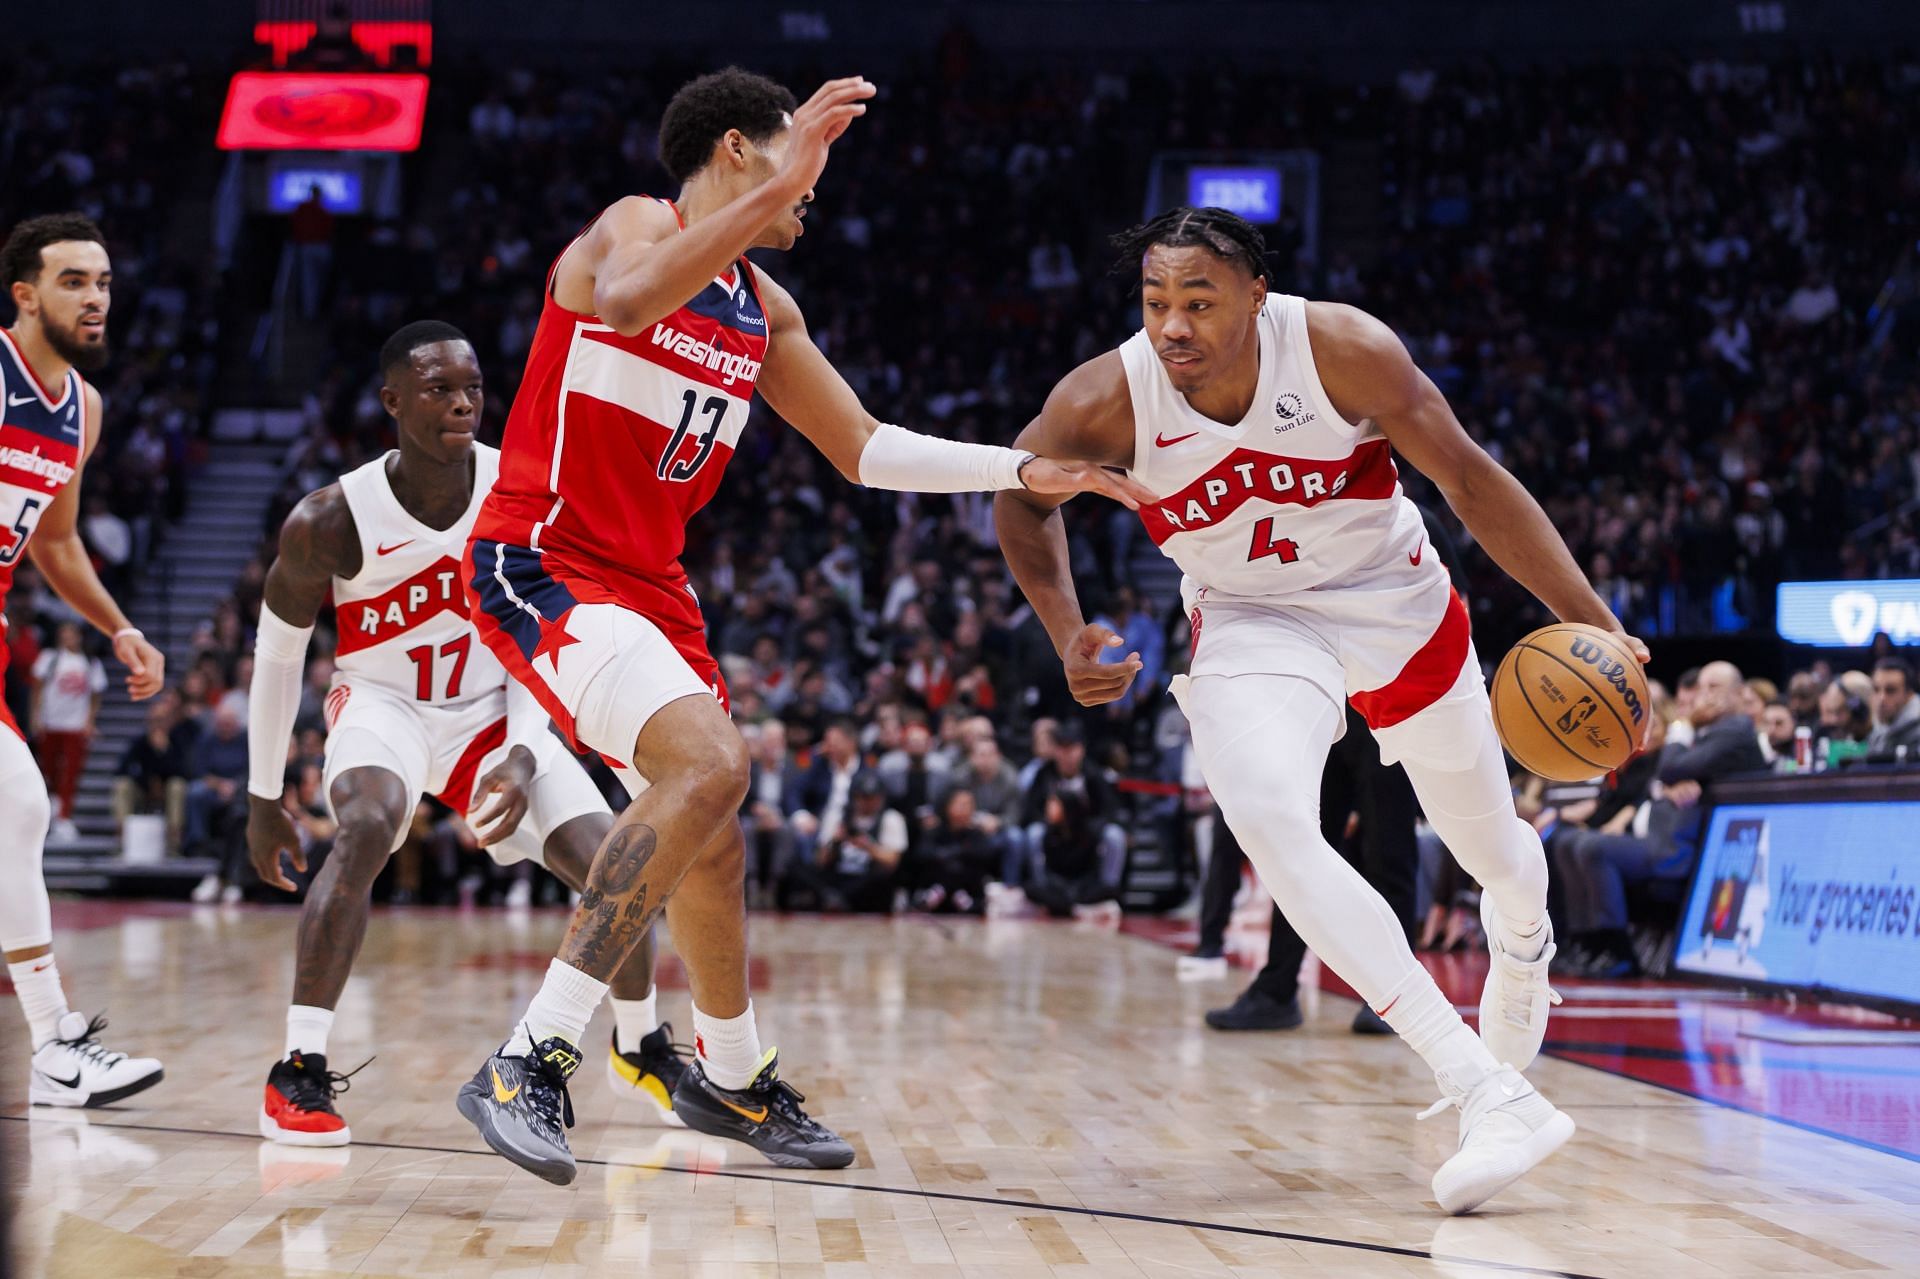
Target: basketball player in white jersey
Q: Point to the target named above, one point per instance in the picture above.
(418, 707)
(57, 273)
(1266, 425)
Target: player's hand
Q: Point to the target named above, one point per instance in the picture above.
(1641, 654)
(1092, 682)
(501, 797)
(1044, 475)
(270, 832)
(819, 121)
(146, 665)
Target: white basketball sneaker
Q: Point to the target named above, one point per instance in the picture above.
(1506, 1127)
(75, 1069)
(1515, 1000)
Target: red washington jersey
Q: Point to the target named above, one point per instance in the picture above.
(615, 442)
(41, 436)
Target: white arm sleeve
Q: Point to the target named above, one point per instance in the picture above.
(273, 700)
(527, 720)
(896, 458)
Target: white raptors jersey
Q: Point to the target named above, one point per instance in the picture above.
(1289, 498)
(403, 618)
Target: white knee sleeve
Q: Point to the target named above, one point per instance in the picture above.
(1262, 742)
(1471, 810)
(26, 917)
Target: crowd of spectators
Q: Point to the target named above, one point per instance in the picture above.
(1649, 290)
(126, 147)
(1640, 829)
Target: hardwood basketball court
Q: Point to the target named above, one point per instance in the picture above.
(1026, 1098)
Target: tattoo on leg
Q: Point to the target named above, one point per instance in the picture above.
(614, 911)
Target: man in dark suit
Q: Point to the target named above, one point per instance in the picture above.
(1661, 838)
(773, 797)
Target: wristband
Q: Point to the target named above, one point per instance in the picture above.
(126, 630)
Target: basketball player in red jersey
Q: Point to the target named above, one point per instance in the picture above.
(654, 335)
(413, 710)
(1265, 425)
(58, 274)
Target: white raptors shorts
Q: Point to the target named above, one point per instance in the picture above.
(1392, 637)
(443, 751)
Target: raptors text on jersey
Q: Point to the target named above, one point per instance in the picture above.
(1290, 498)
(403, 618)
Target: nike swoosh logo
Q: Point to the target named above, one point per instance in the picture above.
(388, 550)
(17, 400)
(1162, 442)
(751, 1116)
(1414, 559)
(500, 1092)
(64, 1083)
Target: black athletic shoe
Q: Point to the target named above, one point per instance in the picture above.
(1369, 1022)
(297, 1109)
(765, 1114)
(1256, 1011)
(650, 1074)
(521, 1107)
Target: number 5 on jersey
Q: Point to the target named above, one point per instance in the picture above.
(22, 530)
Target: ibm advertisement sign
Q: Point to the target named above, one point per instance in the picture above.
(1848, 614)
(1808, 894)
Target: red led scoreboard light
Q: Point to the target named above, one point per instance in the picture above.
(322, 111)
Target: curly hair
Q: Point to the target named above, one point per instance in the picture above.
(702, 111)
(20, 256)
(1227, 236)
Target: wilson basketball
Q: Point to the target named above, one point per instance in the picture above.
(1570, 702)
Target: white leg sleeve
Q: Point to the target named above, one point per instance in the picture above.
(1262, 742)
(1469, 803)
(26, 918)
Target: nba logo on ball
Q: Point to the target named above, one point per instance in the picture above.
(1569, 702)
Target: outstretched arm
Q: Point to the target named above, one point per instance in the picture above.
(1368, 374)
(62, 557)
(1088, 416)
(318, 542)
(809, 393)
(635, 268)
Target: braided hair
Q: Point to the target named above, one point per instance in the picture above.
(1227, 236)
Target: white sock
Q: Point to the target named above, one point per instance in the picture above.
(1424, 1018)
(563, 1007)
(1522, 940)
(37, 982)
(307, 1029)
(728, 1047)
(634, 1020)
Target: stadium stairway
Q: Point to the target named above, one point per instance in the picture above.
(195, 568)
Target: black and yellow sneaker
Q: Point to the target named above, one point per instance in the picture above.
(765, 1114)
(521, 1107)
(650, 1073)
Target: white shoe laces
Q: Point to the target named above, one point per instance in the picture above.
(1525, 979)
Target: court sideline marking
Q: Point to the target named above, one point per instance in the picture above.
(911, 1193)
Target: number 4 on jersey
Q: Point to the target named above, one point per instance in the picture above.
(1265, 544)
